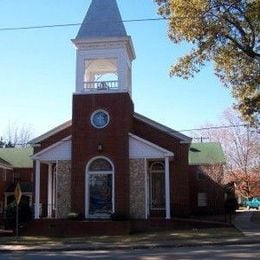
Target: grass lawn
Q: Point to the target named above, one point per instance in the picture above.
(139, 238)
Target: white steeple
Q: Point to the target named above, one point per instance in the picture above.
(104, 51)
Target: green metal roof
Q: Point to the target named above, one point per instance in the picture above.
(17, 157)
(3, 162)
(206, 153)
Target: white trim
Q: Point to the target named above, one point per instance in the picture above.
(51, 132)
(166, 152)
(37, 190)
(167, 189)
(87, 184)
(97, 92)
(3, 166)
(163, 128)
(36, 156)
(106, 42)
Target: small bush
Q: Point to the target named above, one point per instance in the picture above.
(75, 216)
(25, 214)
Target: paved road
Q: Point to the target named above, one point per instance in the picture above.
(243, 222)
(204, 252)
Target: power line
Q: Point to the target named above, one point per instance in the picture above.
(74, 24)
(186, 130)
(213, 127)
(38, 27)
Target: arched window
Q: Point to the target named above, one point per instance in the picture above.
(100, 165)
(157, 185)
(99, 188)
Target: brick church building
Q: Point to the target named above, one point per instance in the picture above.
(109, 159)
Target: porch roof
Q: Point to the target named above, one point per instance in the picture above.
(58, 151)
(141, 148)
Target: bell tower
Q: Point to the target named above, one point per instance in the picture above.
(104, 51)
(102, 113)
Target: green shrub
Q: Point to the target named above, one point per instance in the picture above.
(75, 216)
(25, 214)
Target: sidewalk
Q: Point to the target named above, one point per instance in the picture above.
(149, 240)
(243, 223)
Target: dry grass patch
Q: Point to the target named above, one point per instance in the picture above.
(133, 239)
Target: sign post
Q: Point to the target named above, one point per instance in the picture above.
(18, 196)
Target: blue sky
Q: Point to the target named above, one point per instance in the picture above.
(37, 68)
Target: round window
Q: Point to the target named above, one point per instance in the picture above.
(100, 119)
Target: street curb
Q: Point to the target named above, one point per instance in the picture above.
(124, 247)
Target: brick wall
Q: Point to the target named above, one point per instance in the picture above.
(113, 138)
(201, 181)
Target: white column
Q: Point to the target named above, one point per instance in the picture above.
(54, 194)
(37, 190)
(146, 189)
(167, 188)
(49, 190)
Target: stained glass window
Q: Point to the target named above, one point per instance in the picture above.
(100, 188)
(100, 194)
(157, 185)
(100, 165)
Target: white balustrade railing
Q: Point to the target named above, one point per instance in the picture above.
(100, 85)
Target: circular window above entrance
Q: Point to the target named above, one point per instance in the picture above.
(100, 118)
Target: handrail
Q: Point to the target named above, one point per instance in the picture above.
(101, 85)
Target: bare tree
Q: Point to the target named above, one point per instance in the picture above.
(215, 172)
(17, 136)
(241, 145)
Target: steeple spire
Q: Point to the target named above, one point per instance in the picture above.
(103, 19)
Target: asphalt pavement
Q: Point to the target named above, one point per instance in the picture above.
(242, 222)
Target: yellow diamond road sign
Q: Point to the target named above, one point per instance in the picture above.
(18, 193)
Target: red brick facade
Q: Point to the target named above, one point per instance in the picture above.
(179, 168)
(10, 177)
(203, 181)
(114, 141)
